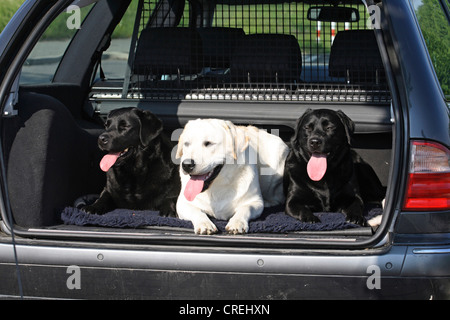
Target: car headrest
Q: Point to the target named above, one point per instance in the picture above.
(267, 58)
(219, 45)
(169, 50)
(355, 56)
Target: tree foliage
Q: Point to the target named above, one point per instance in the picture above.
(436, 31)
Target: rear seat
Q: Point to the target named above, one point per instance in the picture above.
(51, 161)
(219, 45)
(267, 58)
(355, 56)
(168, 51)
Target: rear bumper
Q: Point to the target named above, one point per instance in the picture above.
(97, 273)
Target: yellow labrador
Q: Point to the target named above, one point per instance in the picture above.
(228, 172)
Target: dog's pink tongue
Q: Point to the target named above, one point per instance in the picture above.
(194, 186)
(317, 166)
(108, 161)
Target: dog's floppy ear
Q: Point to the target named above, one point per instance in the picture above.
(349, 125)
(179, 153)
(237, 142)
(298, 127)
(151, 126)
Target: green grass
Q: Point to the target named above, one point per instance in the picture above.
(436, 32)
(7, 10)
(125, 27)
(285, 18)
(58, 28)
(288, 18)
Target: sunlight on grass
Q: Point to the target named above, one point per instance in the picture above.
(7, 10)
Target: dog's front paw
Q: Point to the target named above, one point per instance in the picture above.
(309, 218)
(205, 227)
(237, 226)
(357, 219)
(168, 214)
(301, 212)
(168, 208)
(355, 215)
(92, 209)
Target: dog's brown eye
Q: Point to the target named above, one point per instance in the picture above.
(123, 126)
(207, 143)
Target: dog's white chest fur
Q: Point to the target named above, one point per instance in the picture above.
(228, 191)
(252, 163)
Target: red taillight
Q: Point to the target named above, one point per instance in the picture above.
(429, 178)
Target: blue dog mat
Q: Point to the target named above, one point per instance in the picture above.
(272, 220)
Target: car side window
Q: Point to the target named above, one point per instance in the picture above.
(43, 61)
(115, 58)
(435, 28)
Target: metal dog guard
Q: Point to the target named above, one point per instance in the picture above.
(256, 64)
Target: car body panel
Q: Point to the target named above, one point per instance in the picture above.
(413, 260)
(147, 273)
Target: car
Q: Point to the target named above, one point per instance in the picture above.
(64, 65)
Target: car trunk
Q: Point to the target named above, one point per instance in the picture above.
(54, 162)
(271, 77)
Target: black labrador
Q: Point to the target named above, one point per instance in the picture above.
(140, 173)
(322, 172)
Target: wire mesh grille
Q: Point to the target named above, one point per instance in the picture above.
(233, 50)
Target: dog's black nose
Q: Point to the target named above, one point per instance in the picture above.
(188, 165)
(315, 143)
(103, 139)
